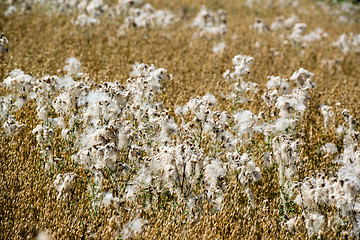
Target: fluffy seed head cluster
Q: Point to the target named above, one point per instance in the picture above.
(242, 65)
(210, 23)
(63, 183)
(145, 16)
(348, 43)
(290, 30)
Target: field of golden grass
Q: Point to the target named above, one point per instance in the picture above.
(39, 44)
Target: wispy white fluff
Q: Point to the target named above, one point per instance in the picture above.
(291, 224)
(219, 48)
(212, 172)
(109, 198)
(72, 66)
(348, 43)
(315, 223)
(329, 148)
(242, 65)
(84, 20)
(63, 183)
(260, 26)
(43, 235)
(278, 24)
(291, 21)
(286, 155)
(298, 32)
(10, 10)
(133, 227)
(303, 77)
(278, 83)
(11, 126)
(244, 120)
(19, 81)
(209, 22)
(315, 35)
(145, 16)
(327, 114)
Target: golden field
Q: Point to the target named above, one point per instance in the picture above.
(39, 44)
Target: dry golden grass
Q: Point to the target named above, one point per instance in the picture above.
(39, 45)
